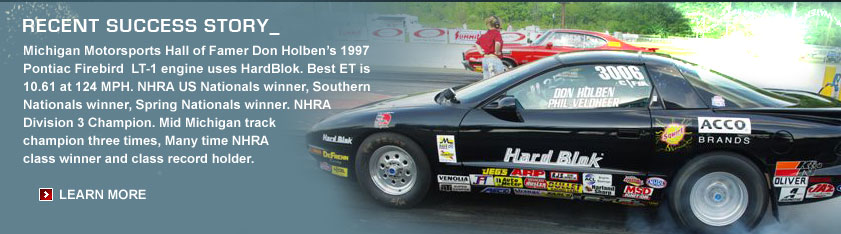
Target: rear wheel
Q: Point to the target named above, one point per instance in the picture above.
(393, 169)
(718, 191)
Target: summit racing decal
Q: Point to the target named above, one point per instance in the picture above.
(446, 148)
(797, 168)
(564, 158)
(453, 179)
(383, 120)
(724, 125)
(337, 139)
(822, 190)
(529, 173)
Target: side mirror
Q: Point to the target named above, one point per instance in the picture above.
(549, 45)
(506, 108)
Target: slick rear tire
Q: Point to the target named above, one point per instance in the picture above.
(393, 169)
(717, 192)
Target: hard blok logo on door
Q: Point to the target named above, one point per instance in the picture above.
(724, 125)
(446, 148)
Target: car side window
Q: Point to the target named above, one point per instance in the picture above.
(575, 40)
(596, 86)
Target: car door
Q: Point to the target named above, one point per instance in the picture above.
(574, 118)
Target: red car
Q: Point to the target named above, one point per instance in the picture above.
(550, 43)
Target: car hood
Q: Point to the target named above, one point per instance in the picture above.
(403, 101)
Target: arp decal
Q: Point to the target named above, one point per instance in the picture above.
(792, 194)
(636, 192)
(383, 120)
(822, 190)
(446, 148)
(535, 183)
(337, 139)
(454, 187)
(485, 180)
(724, 125)
(563, 158)
(453, 179)
(656, 182)
(633, 180)
(495, 171)
(563, 187)
(564, 176)
(511, 182)
(495, 190)
(529, 173)
(339, 171)
(796, 168)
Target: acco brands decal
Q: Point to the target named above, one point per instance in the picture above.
(564, 158)
(724, 125)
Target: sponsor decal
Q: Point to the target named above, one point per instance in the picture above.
(595, 198)
(737, 140)
(495, 190)
(821, 190)
(529, 192)
(529, 173)
(315, 150)
(656, 182)
(819, 179)
(633, 180)
(562, 195)
(383, 120)
(598, 179)
(724, 125)
(454, 187)
(482, 180)
(333, 155)
(563, 158)
(636, 192)
(339, 171)
(614, 44)
(839, 188)
(791, 181)
(325, 166)
(563, 187)
(600, 190)
(511, 182)
(797, 168)
(628, 202)
(564, 176)
(453, 179)
(535, 183)
(429, 33)
(674, 136)
(495, 171)
(446, 148)
(337, 139)
(792, 194)
(387, 32)
(718, 101)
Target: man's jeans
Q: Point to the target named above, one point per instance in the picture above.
(491, 66)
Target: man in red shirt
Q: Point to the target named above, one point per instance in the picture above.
(490, 46)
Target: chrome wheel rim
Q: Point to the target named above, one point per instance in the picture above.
(719, 199)
(392, 170)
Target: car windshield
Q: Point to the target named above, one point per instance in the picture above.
(714, 86)
(477, 90)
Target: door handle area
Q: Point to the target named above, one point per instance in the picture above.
(628, 133)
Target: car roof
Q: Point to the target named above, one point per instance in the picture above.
(606, 36)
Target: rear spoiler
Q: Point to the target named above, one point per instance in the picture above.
(832, 115)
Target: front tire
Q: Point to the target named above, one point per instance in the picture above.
(716, 192)
(393, 169)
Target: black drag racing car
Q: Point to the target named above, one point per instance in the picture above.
(631, 128)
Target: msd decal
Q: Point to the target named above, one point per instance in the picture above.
(563, 158)
(529, 173)
(383, 120)
(635, 192)
(564, 176)
(446, 148)
(724, 125)
(822, 190)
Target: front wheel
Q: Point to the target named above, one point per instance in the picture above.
(393, 169)
(715, 192)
